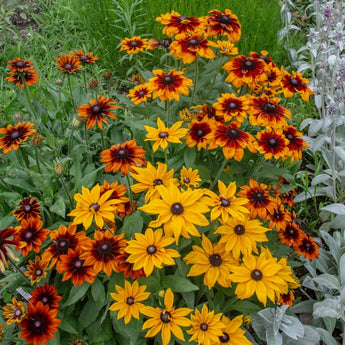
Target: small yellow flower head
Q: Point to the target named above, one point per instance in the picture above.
(185, 115)
(161, 293)
(247, 320)
(227, 48)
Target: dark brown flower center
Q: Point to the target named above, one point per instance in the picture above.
(157, 182)
(151, 249)
(204, 326)
(68, 66)
(20, 64)
(232, 133)
(27, 208)
(248, 64)
(224, 19)
(224, 202)
(130, 300)
(95, 207)
(96, 109)
(15, 135)
(141, 93)
(232, 106)
(38, 272)
(104, 248)
(28, 235)
(269, 107)
(83, 58)
(291, 231)
(18, 312)
(193, 42)
(272, 141)
(37, 323)
(63, 245)
(224, 338)
(165, 317)
(277, 213)
(1, 241)
(163, 135)
(134, 44)
(290, 137)
(259, 196)
(167, 79)
(307, 246)
(294, 82)
(256, 275)
(186, 180)
(215, 260)
(176, 208)
(239, 229)
(78, 264)
(122, 153)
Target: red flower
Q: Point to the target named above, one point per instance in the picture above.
(40, 324)
(47, 295)
(5, 246)
(308, 248)
(29, 208)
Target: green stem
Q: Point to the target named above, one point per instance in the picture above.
(166, 156)
(130, 192)
(26, 161)
(84, 79)
(14, 264)
(218, 174)
(168, 112)
(66, 191)
(29, 99)
(102, 139)
(37, 160)
(70, 140)
(71, 92)
(87, 145)
(195, 80)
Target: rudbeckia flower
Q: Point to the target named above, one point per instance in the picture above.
(20, 65)
(92, 205)
(84, 58)
(133, 45)
(128, 300)
(148, 251)
(14, 312)
(307, 248)
(139, 94)
(15, 135)
(295, 83)
(200, 133)
(190, 177)
(232, 332)
(166, 321)
(207, 327)
(163, 135)
(296, 143)
(68, 64)
(26, 77)
(47, 294)
(211, 260)
(5, 246)
(36, 270)
(178, 211)
(29, 208)
(169, 85)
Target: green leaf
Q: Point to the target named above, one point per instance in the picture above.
(21, 183)
(245, 307)
(98, 293)
(59, 208)
(76, 294)
(88, 314)
(132, 224)
(68, 323)
(178, 284)
(98, 332)
(89, 179)
(55, 340)
(189, 156)
(6, 221)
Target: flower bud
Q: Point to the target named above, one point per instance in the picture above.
(18, 116)
(75, 122)
(37, 139)
(58, 167)
(58, 81)
(107, 75)
(161, 293)
(93, 83)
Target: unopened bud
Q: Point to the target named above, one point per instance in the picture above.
(93, 83)
(58, 167)
(58, 81)
(247, 320)
(37, 139)
(77, 342)
(161, 293)
(107, 75)
(75, 122)
(18, 116)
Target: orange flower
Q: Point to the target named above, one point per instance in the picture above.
(169, 86)
(36, 270)
(244, 70)
(200, 133)
(308, 248)
(133, 45)
(291, 234)
(84, 58)
(189, 46)
(27, 77)
(20, 65)
(174, 23)
(68, 64)
(225, 24)
(5, 246)
(295, 83)
(47, 294)
(15, 135)
(29, 208)
(96, 111)
(139, 94)
(296, 144)
(14, 312)
(123, 157)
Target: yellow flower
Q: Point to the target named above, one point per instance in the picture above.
(150, 177)
(163, 135)
(190, 177)
(206, 327)
(133, 45)
(128, 300)
(178, 211)
(166, 321)
(14, 312)
(92, 205)
(226, 204)
(262, 275)
(227, 48)
(213, 261)
(240, 236)
(232, 333)
(148, 251)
